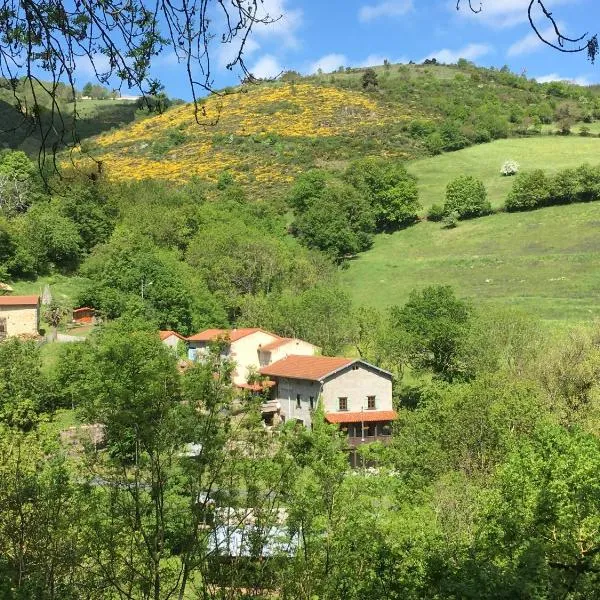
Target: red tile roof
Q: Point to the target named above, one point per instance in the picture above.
(83, 308)
(19, 300)
(366, 416)
(164, 334)
(275, 344)
(313, 368)
(261, 386)
(209, 335)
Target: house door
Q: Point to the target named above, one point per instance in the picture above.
(3, 331)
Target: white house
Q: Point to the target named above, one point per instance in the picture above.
(19, 315)
(355, 394)
(249, 348)
(170, 338)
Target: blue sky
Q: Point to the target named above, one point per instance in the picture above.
(330, 33)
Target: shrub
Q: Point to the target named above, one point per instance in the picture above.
(369, 79)
(564, 187)
(450, 221)
(467, 197)
(435, 212)
(588, 183)
(529, 191)
(509, 168)
(584, 131)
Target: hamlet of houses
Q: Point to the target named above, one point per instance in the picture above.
(354, 394)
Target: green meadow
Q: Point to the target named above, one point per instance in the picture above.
(546, 262)
(484, 161)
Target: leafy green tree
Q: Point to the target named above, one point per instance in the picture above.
(437, 323)
(339, 221)
(129, 271)
(467, 196)
(391, 190)
(369, 79)
(25, 394)
(530, 190)
(51, 239)
(542, 520)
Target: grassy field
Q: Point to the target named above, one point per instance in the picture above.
(484, 161)
(64, 289)
(546, 262)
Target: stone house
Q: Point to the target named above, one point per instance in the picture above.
(355, 394)
(250, 348)
(19, 315)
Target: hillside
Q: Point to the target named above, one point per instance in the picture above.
(266, 133)
(544, 261)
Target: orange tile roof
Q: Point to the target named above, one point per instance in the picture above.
(367, 416)
(19, 300)
(261, 386)
(275, 344)
(209, 335)
(82, 308)
(164, 334)
(313, 368)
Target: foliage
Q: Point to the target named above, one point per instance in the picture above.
(336, 218)
(437, 323)
(24, 391)
(435, 212)
(391, 190)
(369, 79)
(530, 190)
(466, 196)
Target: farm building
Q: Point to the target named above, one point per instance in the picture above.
(19, 315)
(84, 315)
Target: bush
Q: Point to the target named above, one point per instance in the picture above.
(450, 221)
(435, 213)
(529, 191)
(467, 197)
(509, 168)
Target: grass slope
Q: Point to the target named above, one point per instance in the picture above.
(546, 262)
(484, 161)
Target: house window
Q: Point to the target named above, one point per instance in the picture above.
(371, 402)
(355, 367)
(298, 401)
(343, 403)
(3, 331)
(312, 402)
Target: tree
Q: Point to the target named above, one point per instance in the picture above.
(467, 196)
(338, 221)
(369, 79)
(390, 189)
(530, 190)
(87, 89)
(437, 324)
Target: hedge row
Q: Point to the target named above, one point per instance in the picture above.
(536, 189)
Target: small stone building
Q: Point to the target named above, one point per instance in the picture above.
(19, 315)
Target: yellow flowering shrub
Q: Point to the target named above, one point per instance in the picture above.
(286, 111)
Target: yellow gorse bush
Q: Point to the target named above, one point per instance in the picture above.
(285, 110)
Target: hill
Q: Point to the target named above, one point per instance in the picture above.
(266, 133)
(544, 261)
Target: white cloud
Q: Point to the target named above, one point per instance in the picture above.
(530, 43)
(386, 10)
(581, 80)
(86, 67)
(470, 52)
(286, 21)
(329, 63)
(500, 13)
(266, 67)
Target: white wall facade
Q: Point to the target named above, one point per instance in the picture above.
(287, 391)
(172, 341)
(296, 347)
(356, 382)
(20, 320)
(245, 353)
